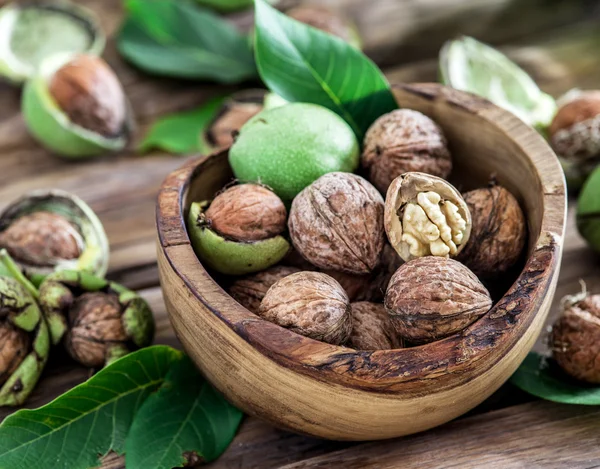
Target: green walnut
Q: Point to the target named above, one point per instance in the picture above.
(240, 231)
(588, 210)
(48, 231)
(24, 339)
(289, 147)
(76, 107)
(34, 31)
(99, 320)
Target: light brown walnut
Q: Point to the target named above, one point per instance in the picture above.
(372, 328)
(336, 223)
(434, 297)
(14, 346)
(311, 304)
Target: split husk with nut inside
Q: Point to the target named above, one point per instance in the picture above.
(99, 320)
(240, 231)
(76, 107)
(47, 231)
(24, 337)
(425, 215)
(433, 297)
(34, 31)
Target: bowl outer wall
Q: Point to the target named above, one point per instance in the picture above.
(338, 393)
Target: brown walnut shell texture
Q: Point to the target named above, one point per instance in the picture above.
(404, 141)
(321, 18)
(41, 239)
(90, 94)
(95, 321)
(575, 340)
(230, 120)
(372, 328)
(247, 212)
(498, 231)
(336, 223)
(575, 129)
(311, 304)
(249, 291)
(14, 346)
(434, 297)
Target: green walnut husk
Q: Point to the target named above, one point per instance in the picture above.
(588, 210)
(27, 245)
(53, 128)
(232, 257)
(32, 32)
(132, 322)
(26, 343)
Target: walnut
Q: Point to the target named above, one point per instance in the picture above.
(337, 223)
(311, 304)
(433, 297)
(498, 232)
(575, 338)
(404, 141)
(42, 239)
(246, 212)
(425, 215)
(249, 291)
(575, 130)
(372, 328)
(14, 347)
(90, 94)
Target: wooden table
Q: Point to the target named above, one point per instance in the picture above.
(558, 45)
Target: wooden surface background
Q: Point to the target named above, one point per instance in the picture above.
(556, 40)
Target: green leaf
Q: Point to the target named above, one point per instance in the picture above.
(185, 417)
(180, 133)
(88, 421)
(543, 378)
(177, 39)
(301, 63)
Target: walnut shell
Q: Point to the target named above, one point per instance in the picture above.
(249, 291)
(247, 212)
(311, 304)
(433, 297)
(337, 223)
(41, 239)
(96, 322)
(575, 130)
(425, 215)
(14, 346)
(404, 141)
(372, 328)
(498, 231)
(575, 340)
(90, 94)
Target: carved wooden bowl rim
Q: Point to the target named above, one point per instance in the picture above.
(413, 371)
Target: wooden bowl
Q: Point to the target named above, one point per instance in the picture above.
(338, 393)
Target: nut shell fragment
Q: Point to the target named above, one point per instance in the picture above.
(433, 297)
(311, 304)
(336, 223)
(372, 328)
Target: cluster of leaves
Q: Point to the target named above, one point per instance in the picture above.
(152, 405)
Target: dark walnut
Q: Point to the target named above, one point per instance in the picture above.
(249, 291)
(372, 328)
(434, 297)
(575, 130)
(311, 304)
(95, 319)
(324, 19)
(42, 239)
(336, 223)
(575, 339)
(14, 346)
(90, 94)
(498, 231)
(247, 212)
(404, 141)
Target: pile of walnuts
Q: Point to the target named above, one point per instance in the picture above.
(373, 272)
